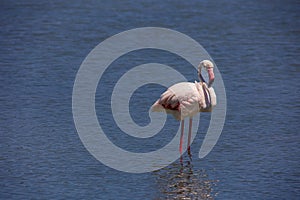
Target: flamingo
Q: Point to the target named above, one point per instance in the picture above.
(186, 99)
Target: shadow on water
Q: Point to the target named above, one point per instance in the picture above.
(181, 180)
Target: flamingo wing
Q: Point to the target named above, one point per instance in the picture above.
(181, 100)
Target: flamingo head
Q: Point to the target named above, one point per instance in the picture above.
(209, 66)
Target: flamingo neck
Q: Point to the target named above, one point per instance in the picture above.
(201, 77)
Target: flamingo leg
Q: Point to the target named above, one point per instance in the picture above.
(181, 136)
(190, 135)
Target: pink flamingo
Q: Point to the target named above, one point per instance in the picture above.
(186, 99)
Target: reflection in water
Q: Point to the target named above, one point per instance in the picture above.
(181, 181)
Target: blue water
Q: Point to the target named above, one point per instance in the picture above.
(256, 46)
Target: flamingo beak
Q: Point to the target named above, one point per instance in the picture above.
(211, 76)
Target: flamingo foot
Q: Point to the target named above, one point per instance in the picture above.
(189, 151)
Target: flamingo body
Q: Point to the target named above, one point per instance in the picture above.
(186, 99)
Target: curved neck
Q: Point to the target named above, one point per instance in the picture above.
(201, 77)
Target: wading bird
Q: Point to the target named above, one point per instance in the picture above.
(186, 99)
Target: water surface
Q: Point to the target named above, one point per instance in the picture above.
(256, 47)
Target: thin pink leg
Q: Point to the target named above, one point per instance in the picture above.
(190, 135)
(181, 136)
